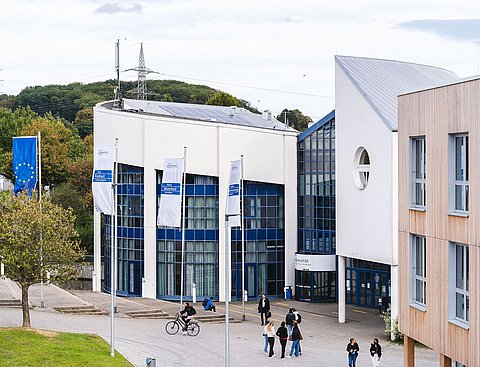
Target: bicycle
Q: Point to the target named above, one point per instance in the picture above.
(173, 326)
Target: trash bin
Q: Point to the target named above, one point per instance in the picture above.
(151, 362)
(288, 293)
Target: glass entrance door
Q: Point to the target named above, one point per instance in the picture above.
(251, 281)
(366, 287)
(134, 278)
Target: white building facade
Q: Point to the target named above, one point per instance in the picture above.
(366, 93)
(149, 256)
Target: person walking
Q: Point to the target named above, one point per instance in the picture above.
(282, 334)
(296, 336)
(270, 333)
(264, 308)
(298, 319)
(289, 319)
(352, 349)
(375, 352)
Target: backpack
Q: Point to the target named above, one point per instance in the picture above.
(298, 318)
(204, 303)
(290, 318)
(192, 311)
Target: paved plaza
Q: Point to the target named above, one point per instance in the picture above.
(323, 345)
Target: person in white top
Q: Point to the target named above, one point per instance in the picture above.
(269, 331)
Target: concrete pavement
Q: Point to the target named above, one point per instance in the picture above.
(323, 345)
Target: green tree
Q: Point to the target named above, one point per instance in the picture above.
(84, 122)
(295, 119)
(223, 99)
(36, 239)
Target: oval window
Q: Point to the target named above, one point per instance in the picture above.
(361, 169)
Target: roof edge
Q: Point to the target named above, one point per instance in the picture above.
(317, 125)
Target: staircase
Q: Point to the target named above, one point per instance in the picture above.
(214, 318)
(148, 314)
(10, 294)
(81, 310)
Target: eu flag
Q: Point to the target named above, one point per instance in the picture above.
(25, 163)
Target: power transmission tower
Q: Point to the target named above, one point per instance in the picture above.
(142, 75)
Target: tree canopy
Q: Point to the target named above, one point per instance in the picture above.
(295, 118)
(36, 239)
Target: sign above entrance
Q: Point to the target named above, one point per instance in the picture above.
(315, 262)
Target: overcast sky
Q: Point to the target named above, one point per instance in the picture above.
(276, 54)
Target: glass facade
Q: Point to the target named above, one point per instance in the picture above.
(316, 207)
(367, 283)
(130, 233)
(201, 243)
(264, 242)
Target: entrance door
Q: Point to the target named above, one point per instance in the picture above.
(135, 278)
(251, 280)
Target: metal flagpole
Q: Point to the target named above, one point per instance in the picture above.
(183, 223)
(113, 250)
(42, 300)
(227, 296)
(243, 242)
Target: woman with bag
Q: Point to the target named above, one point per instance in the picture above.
(375, 352)
(282, 334)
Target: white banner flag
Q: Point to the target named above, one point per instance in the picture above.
(103, 178)
(169, 212)
(233, 197)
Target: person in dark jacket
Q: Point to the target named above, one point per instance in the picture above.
(375, 352)
(352, 349)
(187, 314)
(289, 319)
(296, 337)
(264, 308)
(282, 334)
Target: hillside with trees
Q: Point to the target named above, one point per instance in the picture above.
(64, 115)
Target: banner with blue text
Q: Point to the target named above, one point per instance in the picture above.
(102, 179)
(25, 163)
(233, 194)
(169, 211)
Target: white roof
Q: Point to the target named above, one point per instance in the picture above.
(381, 81)
(214, 114)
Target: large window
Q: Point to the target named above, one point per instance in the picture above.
(459, 173)
(418, 172)
(418, 271)
(459, 302)
(316, 190)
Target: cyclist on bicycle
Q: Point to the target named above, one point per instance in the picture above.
(187, 314)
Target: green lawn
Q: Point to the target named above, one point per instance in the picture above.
(37, 348)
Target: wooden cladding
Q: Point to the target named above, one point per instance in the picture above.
(437, 114)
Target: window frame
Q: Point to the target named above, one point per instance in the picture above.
(454, 182)
(414, 200)
(453, 288)
(416, 240)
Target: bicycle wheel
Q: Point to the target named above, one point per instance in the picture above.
(193, 329)
(172, 327)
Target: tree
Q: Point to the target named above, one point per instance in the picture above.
(84, 122)
(295, 119)
(36, 239)
(223, 99)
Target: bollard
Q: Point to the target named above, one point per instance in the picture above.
(151, 362)
(246, 295)
(194, 293)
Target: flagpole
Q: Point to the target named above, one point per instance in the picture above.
(183, 223)
(227, 295)
(243, 242)
(113, 250)
(39, 140)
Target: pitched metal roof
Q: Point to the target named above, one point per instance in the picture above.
(381, 81)
(317, 125)
(217, 114)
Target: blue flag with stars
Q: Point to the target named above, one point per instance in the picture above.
(25, 163)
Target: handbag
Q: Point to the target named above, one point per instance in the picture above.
(301, 337)
(268, 314)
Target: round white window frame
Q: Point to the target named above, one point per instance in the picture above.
(361, 182)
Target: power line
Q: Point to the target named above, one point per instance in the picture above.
(246, 86)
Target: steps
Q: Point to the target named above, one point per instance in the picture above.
(214, 318)
(14, 303)
(148, 314)
(81, 310)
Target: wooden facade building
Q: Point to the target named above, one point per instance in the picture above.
(439, 221)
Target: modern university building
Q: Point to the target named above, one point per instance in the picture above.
(149, 257)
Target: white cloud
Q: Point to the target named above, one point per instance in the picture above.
(112, 8)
